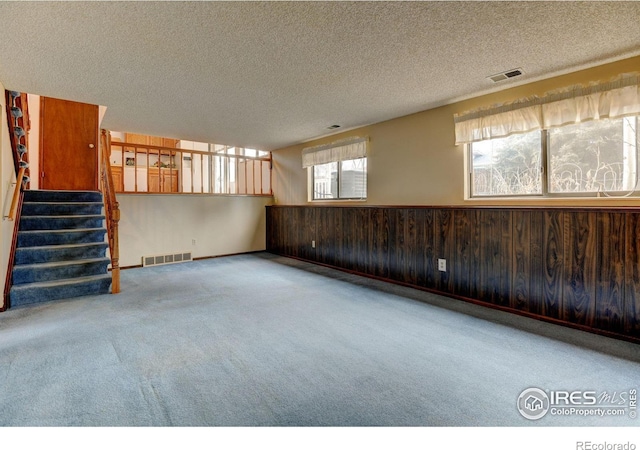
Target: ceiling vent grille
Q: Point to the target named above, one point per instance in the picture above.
(506, 75)
(171, 258)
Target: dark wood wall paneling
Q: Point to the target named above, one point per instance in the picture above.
(576, 266)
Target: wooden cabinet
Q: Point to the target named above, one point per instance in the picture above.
(150, 140)
(118, 180)
(135, 169)
(163, 180)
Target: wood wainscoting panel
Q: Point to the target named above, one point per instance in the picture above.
(610, 290)
(631, 313)
(490, 235)
(552, 263)
(536, 273)
(444, 246)
(425, 254)
(578, 266)
(579, 294)
(461, 265)
(521, 261)
(361, 223)
(504, 297)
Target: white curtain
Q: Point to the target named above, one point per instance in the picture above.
(352, 148)
(604, 104)
(614, 99)
(498, 124)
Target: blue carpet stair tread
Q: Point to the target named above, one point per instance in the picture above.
(61, 208)
(61, 289)
(62, 196)
(55, 237)
(61, 247)
(51, 253)
(29, 223)
(30, 273)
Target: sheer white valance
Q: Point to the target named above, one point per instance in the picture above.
(614, 99)
(351, 148)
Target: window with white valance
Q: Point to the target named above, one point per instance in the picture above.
(343, 150)
(337, 171)
(583, 140)
(615, 99)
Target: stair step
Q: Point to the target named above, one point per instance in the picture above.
(62, 196)
(60, 208)
(60, 237)
(59, 270)
(52, 253)
(28, 223)
(54, 290)
(61, 249)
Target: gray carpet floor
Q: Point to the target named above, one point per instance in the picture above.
(261, 340)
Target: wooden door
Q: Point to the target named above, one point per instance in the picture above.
(68, 145)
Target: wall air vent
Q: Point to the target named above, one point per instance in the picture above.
(171, 258)
(506, 75)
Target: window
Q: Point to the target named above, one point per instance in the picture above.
(590, 158)
(337, 171)
(340, 180)
(507, 166)
(581, 140)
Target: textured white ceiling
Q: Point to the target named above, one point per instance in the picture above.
(271, 74)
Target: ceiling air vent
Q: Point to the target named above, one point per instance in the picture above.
(506, 75)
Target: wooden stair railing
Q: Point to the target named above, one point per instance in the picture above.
(16, 101)
(112, 208)
(18, 123)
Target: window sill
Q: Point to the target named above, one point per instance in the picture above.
(339, 200)
(555, 201)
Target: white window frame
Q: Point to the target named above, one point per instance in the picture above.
(339, 180)
(339, 152)
(614, 99)
(545, 171)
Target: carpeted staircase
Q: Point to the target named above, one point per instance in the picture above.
(61, 248)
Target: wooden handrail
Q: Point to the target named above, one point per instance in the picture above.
(16, 194)
(22, 177)
(112, 208)
(166, 150)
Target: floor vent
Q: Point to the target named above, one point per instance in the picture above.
(506, 75)
(171, 258)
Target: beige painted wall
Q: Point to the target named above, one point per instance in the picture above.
(7, 180)
(413, 159)
(160, 224)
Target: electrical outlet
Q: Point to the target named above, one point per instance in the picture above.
(193, 242)
(313, 244)
(442, 265)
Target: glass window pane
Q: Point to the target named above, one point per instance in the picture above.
(353, 178)
(325, 181)
(507, 166)
(596, 156)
